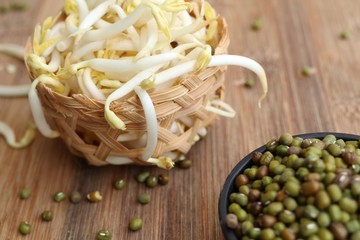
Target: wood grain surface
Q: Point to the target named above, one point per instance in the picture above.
(295, 33)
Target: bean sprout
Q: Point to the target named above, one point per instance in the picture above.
(110, 50)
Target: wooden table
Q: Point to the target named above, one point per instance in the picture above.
(295, 34)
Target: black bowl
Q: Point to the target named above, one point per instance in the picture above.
(229, 186)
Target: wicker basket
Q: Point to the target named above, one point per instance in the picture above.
(81, 123)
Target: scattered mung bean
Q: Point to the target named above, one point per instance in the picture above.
(136, 224)
(185, 164)
(47, 215)
(163, 179)
(25, 193)
(141, 177)
(24, 228)
(256, 25)
(59, 196)
(144, 198)
(103, 234)
(119, 184)
(151, 181)
(75, 197)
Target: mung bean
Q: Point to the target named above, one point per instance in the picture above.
(136, 224)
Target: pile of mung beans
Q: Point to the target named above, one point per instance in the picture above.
(299, 189)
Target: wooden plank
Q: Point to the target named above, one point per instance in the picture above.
(294, 34)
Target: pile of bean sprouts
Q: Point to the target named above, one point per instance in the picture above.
(110, 50)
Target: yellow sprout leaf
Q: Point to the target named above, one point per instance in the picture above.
(203, 59)
(70, 7)
(174, 7)
(162, 162)
(212, 36)
(40, 48)
(114, 121)
(148, 83)
(160, 19)
(210, 13)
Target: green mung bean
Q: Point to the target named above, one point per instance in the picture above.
(249, 82)
(119, 184)
(257, 25)
(300, 189)
(141, 177)
(144, 198)
(151, 181)
(246, 226)
(349, 205)
(323, 219)
(267, 234)
(290, 203)
(47, 215)
(185, 164)
(241, 199)
(322, 199)
(103, 234)
(353, 226)
(25, 193)
(24, 228)
(59, 196)
(75, 197)
(136, 224)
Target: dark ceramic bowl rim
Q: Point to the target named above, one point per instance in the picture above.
(228, 187)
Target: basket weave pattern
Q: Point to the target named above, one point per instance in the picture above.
(81, 123)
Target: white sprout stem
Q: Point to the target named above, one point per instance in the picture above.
(102, 23)
(91, 87)
(54, 62)
(202, 132)
(151, 122)
(134, 36)
(57, 30)
(14, 91)
(171, 155)
(152, 34)
(38, 113)
(70, 23)
(64, 44)
(110, 83)
(189, 38)
(129, 85)
(194, 27)
(193, 54)
(127, 137)
(128, 65)
(116, 160)
(225, 109)
(86, 49)
(115, 28)
(10, 138)
(123, 45)
(92, 3)
(187, 121)
(12, 50)
(79, 76)
(83, 9)
(217, 60)
(185, 17)
(174, 128)
(94, 15)
(110, 116)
